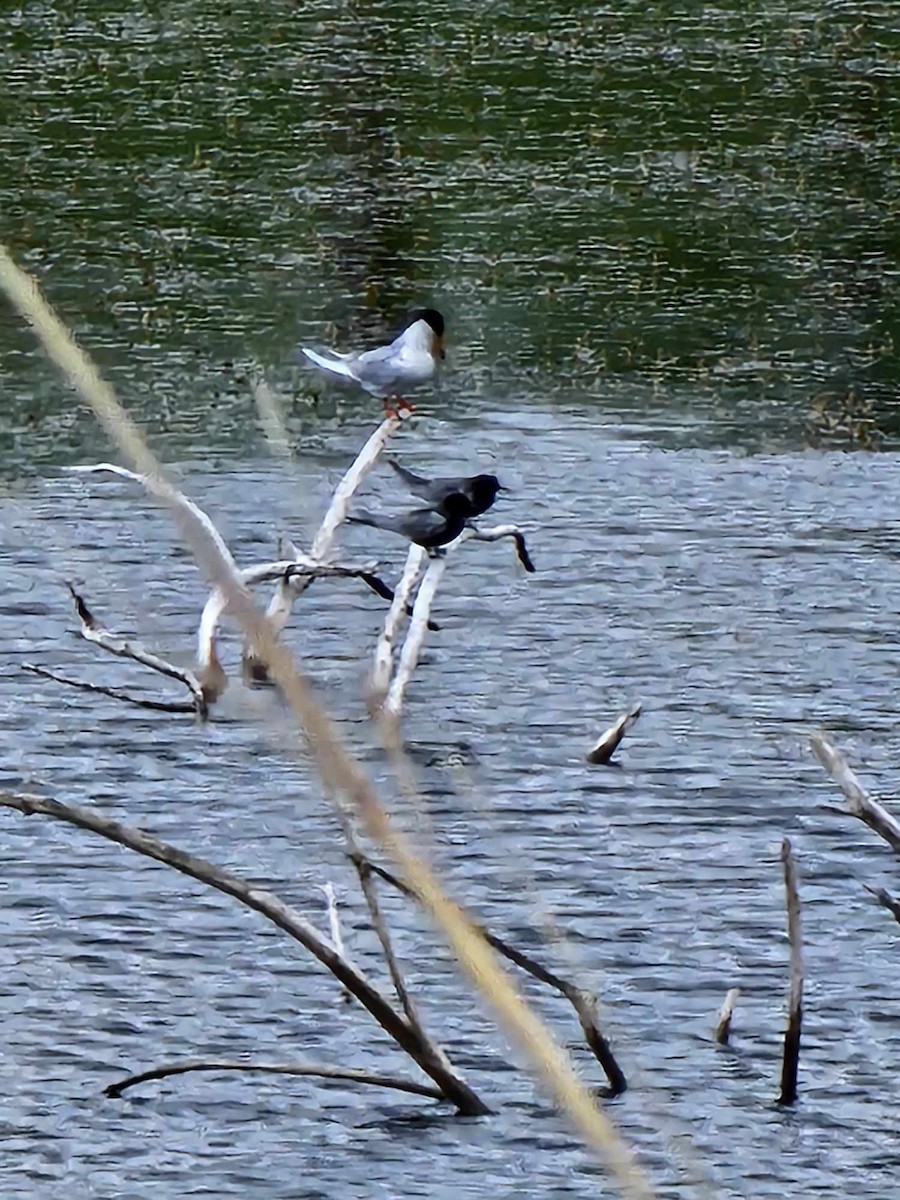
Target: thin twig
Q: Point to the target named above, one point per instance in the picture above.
(584, 1004)
(503, 531)
(170, 706)
(723, 1028)
(334, 924)
(318, 1071)
(380, 588)
(93, 631)
(859, 802)
(886, 900)
(289, 920)
(791, 1061)
(609, 741)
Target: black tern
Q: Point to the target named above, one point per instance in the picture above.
(423, 526)
(480, 490)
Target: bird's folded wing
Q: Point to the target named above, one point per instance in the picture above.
(337, 365)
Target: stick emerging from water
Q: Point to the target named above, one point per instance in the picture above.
(791, 1060)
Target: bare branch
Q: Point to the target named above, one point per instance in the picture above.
(380, 588)
(282, 602)
(859, 803)
(610, 740)
(584, 1004)
(334, 924)
(384, 650)
(415, 637)
(287, 919)
(886, 900)
(93, 631)
(171, 706)
(723, 1028)
(503, 531)
(114, 1090)
(791, 1060)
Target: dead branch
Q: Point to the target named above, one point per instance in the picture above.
(384, 649)
(886, 900)
(334, 926)
(282, 602)
(171, 706)
(114, 1090)
(380, 588)
(95, 632)
(583, 1002)
(415, 637)
(609, 741)
(723, 1028)
(339, 768)
(503, 531)
(791, 1061)
(859, 803)
(453, 1087)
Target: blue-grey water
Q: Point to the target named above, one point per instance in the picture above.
(666, 244)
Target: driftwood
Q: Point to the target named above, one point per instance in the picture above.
(341, 773)
(723, 1028)
(791, 1059)
(609, 742)
(859, 803)
(384, 649)
(317, 1071)
(288, 591)
(93, 631)
(886, 900)
(583, 1002)
(452, 1086)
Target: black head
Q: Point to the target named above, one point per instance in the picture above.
(456, 505)
(484, 491)
(430, 316)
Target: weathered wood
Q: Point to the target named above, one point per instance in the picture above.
(315, 1070)
(723, 1028)
(859, 803)
(291, 922)
(609, 741)
(583, 1002)
(791, 1058)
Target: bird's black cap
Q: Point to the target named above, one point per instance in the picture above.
(430, 316)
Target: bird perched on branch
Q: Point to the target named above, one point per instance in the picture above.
(424, 526)
(480, 490)
(390, 371)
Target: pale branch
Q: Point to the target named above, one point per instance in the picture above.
(161, 489)
(315, 1070)
(723, 1028)
(271, 418)
(285, 570)
(282, 601)
(584, 1004)
(886, 900)
(170, 706)
(334, 923)
(791, 1059)
(609, 741)
(503, 531)
(95, 632)
(380, 588)
(384, 649)
(859, 803)
(415, 638)
(287, 919)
